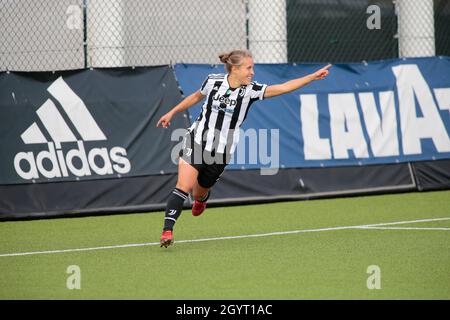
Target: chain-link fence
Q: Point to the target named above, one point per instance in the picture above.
(73, 34)
(35, 35)
(341, 31)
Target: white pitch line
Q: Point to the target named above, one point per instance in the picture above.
(404, 228)
(361, 227)
(405, 222)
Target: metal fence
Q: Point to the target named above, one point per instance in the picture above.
(73, 34)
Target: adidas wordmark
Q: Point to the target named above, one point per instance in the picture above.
(63, 163)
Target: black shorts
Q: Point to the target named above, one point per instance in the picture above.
(210, 165)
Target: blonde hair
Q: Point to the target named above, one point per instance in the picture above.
(234, 58)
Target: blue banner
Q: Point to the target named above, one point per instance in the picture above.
(364, 113)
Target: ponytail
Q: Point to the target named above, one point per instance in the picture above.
(223, 57)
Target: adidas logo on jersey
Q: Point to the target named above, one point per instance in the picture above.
(55, 162)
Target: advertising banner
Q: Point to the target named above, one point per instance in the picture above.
(86, 125)
(380, 112)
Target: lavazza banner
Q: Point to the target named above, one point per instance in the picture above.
(379, 112)
(85, 125)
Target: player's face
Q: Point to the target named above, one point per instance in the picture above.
(244, 73)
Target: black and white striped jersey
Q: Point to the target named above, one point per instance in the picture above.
(224, 110)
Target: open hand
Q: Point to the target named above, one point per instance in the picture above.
(322, 73)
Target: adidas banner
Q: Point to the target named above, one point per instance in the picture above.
(380, 112)
(86, 125)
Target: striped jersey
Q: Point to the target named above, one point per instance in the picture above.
(224, 110)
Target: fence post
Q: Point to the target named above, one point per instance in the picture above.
(85, 48)
(267, 31)
(416, 28)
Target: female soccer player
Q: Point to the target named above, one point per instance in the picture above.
(212, 138)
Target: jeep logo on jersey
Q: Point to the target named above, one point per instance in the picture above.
(224, 100)
(59, 162)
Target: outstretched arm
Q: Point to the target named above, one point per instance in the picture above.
(289, 86)
(187, 102)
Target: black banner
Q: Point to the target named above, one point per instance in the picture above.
(86, 125)
(432, 175)
(311, 183)
(86, 141)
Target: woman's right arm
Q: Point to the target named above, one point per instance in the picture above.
(187, 102)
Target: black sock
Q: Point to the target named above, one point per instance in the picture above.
(174, 207)
(205, 198)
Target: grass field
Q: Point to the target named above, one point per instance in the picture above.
(326, 256)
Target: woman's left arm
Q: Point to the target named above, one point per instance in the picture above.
(291, 85)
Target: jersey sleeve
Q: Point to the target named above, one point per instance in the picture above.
(206, 86)
(257, 91)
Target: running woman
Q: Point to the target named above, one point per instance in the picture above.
(212, 138)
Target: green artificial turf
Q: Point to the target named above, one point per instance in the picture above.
(311, 264)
